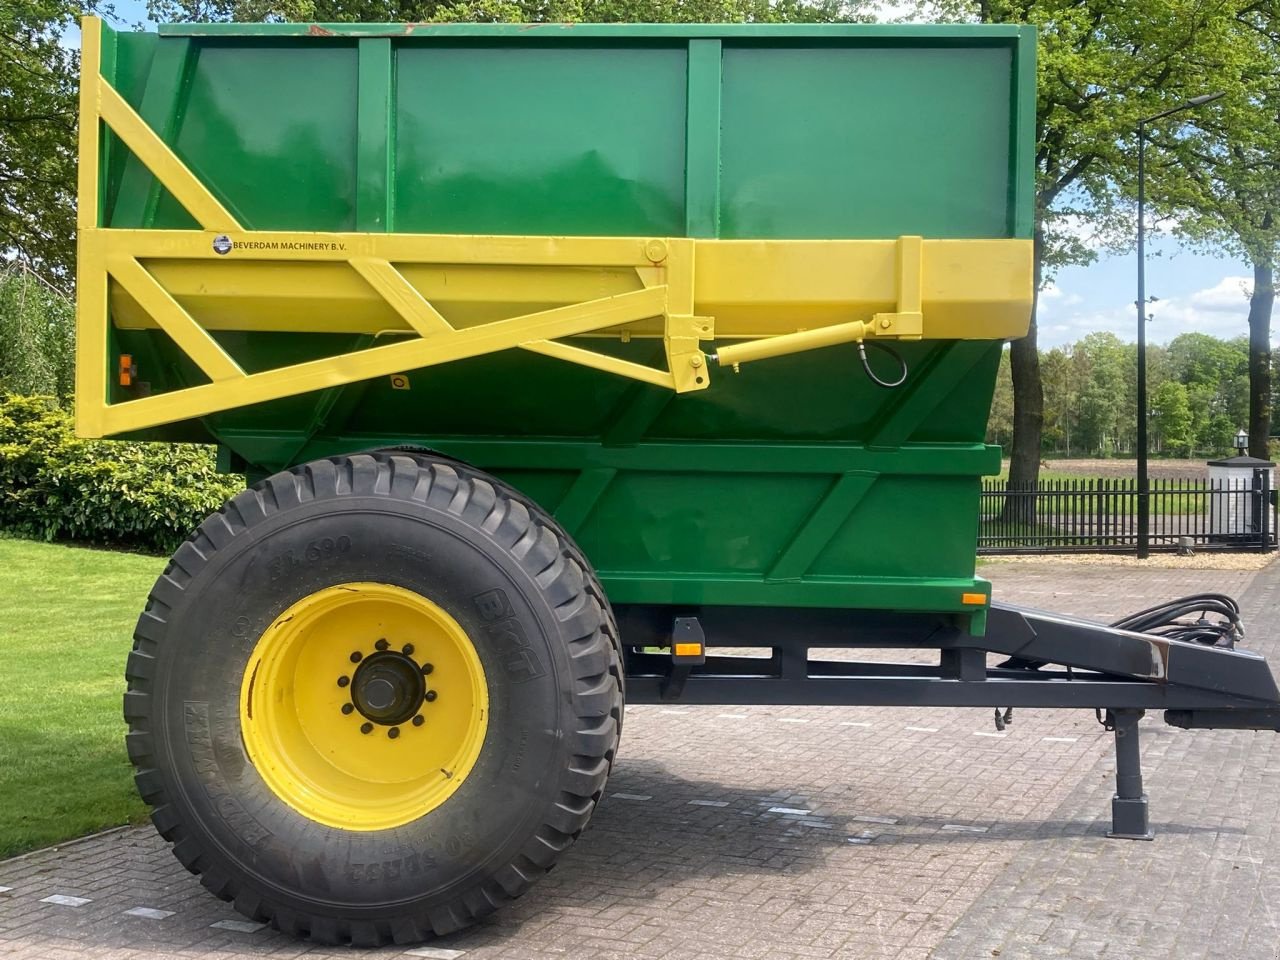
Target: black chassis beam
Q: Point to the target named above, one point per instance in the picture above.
(1061, 661)
(1088, 664)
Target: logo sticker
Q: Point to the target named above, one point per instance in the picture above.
(221, 244)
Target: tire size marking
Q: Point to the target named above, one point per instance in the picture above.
(519, 751)
(414, 865)
(519, 659)
(317, 551)
(199, 735)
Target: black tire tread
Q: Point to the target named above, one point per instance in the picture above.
(553, 562)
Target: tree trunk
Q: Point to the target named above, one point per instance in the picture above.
(1028, 411)
(1260, 303)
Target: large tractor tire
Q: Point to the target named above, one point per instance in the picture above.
(373, 698)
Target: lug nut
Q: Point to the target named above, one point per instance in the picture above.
(382, 644)
(419, 720)
(343, 681)
(356, 657)
(431, 695)
(407, 649)
(427, 668)
(348, 707)
(366, 728)
(393, 732)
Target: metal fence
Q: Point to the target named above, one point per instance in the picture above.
(1101, 515)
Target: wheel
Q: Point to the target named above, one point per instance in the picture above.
(373, 698)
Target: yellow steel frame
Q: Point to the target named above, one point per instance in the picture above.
(672, 279)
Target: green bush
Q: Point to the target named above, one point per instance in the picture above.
(37, 329)
(54, 486)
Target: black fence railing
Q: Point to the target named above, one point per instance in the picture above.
(1101, 515)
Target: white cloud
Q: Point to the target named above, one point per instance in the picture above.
(1221, 310)
(1053, 299)
(1228, 295)
(1083, 229)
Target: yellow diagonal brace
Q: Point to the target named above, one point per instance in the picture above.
(383, 361)
(162, 161)
(176, 322)
(404, 299)
(589, 358)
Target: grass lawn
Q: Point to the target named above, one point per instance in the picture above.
(66, 626)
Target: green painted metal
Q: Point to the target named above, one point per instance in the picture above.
(796, 482)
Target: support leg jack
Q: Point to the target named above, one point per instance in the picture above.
(1129, 819)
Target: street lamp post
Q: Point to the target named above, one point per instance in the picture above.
(1144, 483)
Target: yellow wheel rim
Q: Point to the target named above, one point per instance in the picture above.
(364, 706)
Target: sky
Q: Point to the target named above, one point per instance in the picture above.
(1194, 291)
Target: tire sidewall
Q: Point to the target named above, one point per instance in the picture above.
(246, 585)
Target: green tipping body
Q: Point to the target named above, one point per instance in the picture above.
(794, 482)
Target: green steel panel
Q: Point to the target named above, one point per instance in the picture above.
(595, 147)
(897, 140)
(272, 130)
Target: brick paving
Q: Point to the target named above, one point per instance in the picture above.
(801, 832)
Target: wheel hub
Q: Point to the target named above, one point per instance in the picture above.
(388, 688)
(364, 706)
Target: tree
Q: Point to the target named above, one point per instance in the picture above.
(1171, 418)
(513, 11)
(37, 328)
(1230, 198)
(1061, 393)
(1101, 356)
(1215, 375)
(38, 86)
(1103, 65)
(1000, 422)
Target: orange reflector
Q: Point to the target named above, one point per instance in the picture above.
(127, 370)
(973, 599)
(688, 649)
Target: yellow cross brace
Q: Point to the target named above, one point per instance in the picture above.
(454, 297)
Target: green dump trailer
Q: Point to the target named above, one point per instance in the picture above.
(557, 357)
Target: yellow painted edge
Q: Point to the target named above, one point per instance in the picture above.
(311, 246)
(91, 279)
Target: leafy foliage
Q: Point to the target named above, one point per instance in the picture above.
(37, 328)
(54, 486)
(1199, 396)
(38, 99)
(1171, 417)
(504, 11)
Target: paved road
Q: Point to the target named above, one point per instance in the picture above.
(819, 832)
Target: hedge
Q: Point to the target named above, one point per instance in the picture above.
(55, 486)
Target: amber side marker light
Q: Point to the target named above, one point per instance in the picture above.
(128, 370)
(973, 599)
